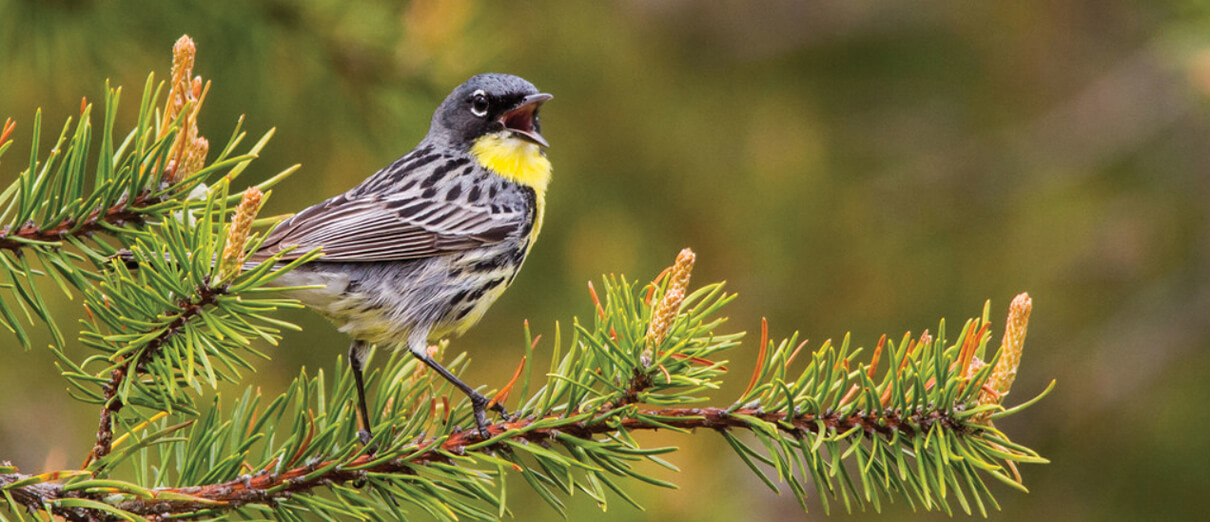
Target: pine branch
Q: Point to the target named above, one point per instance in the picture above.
(158, 171)
(945, 431)
(267, 488)
(172, 326)
(203, 296)
(119, 215)
(320, 452)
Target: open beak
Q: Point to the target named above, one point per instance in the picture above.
(523, 120)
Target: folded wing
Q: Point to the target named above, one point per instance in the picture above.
(373, 228)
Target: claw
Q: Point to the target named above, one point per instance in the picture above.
(478, 405)
(499, 408)
(365, 436)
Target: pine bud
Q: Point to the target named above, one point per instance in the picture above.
(665, 312)
(237, 235)
(188, 151)
(179, 88)
(1005, 371)
(194, 158)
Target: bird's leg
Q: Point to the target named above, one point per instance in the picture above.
(478, 401)
(357, 350)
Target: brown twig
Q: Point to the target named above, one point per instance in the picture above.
(34, 497)
(190, 307)
(121, 213)
(640, 380)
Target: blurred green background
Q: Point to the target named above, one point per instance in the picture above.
(846, 165)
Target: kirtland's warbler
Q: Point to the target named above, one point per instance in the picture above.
(422, 248)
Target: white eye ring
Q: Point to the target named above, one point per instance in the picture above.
(479, 103)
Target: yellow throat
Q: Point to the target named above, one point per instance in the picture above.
(518, 161)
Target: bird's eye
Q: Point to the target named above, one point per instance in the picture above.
(479, 104)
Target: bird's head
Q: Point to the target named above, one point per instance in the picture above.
(495, 118)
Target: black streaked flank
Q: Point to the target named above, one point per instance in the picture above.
(454, 192)
(531, 204)
(483, 289)
(493, 263)
(518, 256)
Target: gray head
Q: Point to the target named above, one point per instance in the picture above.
(489, 103)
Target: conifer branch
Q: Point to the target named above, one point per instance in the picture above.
(267, 487)
(187, 308)
(925, 408)
(67, 213)
(190, 307)
(119, 215)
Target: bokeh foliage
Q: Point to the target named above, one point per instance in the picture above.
(846, 165)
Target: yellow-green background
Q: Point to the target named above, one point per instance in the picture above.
(846, 165)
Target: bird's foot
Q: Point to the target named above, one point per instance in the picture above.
(499, 408)
(365, 437)
(479, 406)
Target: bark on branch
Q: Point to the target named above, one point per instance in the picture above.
(119, 214)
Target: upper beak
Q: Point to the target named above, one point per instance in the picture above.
(522, 120)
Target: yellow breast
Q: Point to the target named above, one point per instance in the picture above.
(518, 161)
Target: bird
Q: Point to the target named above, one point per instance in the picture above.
(421, 249)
